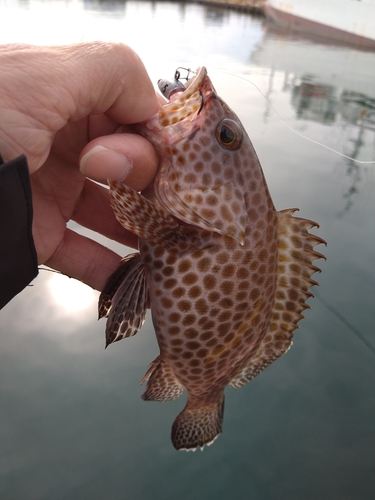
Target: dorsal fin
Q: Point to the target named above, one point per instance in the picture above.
(296, 255)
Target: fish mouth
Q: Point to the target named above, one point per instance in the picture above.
(188, 102)
(181, 116)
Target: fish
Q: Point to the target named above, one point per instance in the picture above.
(225, 274)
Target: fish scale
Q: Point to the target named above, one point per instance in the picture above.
(226, 275)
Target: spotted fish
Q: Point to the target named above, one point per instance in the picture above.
(225, 274)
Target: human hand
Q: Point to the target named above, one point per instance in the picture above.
(61, 107)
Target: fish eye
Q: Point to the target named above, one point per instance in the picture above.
(229, 134)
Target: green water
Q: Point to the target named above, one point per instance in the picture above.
(72, 423)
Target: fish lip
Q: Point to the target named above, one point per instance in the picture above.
(195, 82)
(180, 117)
(193, 87)
(192, 90)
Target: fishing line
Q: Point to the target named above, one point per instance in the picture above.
(51, 271)
(347, 323)
(361, 162)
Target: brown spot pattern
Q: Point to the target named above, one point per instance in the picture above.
(227, 275)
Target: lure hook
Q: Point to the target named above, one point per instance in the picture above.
(177, 75)
(168, 88)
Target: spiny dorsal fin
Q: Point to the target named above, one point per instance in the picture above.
(295, 257)
(162, 384)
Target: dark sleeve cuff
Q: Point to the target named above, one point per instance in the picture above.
(18, 259)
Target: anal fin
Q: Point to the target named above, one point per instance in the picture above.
(162, 384)
(296, 255)
(124, 299)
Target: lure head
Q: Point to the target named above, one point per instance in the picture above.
(171, 89)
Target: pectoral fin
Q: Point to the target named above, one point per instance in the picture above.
(124, 299)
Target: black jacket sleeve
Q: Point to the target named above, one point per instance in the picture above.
(18, 259)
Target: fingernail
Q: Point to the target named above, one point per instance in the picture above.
(101, 163)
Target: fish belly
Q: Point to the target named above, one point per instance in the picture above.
(211, 307)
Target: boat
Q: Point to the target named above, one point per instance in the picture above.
(346, 21)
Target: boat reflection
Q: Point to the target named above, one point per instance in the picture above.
(327, 85)
(325, 104)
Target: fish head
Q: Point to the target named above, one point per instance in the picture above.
(205, 157)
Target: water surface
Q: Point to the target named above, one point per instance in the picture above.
(72, 422)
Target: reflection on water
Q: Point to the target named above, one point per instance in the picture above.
(327, 85)
(73, 425)
(69, 294)
(314, 102)
(351, 112)
(358, 109)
